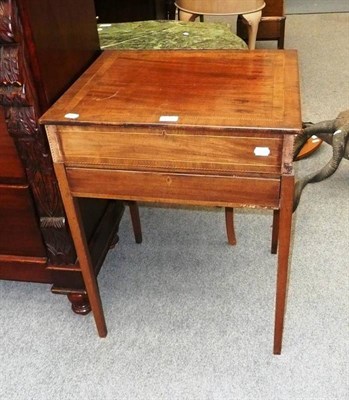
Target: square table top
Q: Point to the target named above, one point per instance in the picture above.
(229, 89)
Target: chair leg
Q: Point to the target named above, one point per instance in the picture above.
(275, 232)
(184, 16)
(253, 20)
(229, 223)
(136, 221)
(281, 40)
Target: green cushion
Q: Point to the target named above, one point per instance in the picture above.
(152, 35)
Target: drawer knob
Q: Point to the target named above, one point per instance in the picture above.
(261, 151)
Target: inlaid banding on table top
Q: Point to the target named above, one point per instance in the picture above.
(165, 150)
(237, 88)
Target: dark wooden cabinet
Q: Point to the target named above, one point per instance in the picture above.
(272, 25)
(134, 10)
(44, 46)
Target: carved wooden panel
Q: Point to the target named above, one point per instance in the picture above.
(7, 25)
(44, 46)
(19, 99)
(11, 169)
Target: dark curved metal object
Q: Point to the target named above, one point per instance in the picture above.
(335, 133)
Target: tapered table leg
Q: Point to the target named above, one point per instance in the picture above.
(285, 221)
(82, 250)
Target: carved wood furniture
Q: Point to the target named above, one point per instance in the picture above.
(211, 128)
(272, 24)
(250, 11)
(44, 46)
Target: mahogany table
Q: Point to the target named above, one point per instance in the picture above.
(210, 128)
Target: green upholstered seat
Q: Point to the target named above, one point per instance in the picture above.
(152, 35)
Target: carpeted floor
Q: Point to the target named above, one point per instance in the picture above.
(315, 6)
(191, 318)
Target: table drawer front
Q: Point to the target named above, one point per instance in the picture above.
(176, 151)
(174, 188)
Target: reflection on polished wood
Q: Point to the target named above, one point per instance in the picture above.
(211, 128)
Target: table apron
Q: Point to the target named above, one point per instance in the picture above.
(210, 190)
(165, 150)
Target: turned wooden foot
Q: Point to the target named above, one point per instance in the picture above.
(79, 303)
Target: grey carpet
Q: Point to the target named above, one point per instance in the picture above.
(316, 6)
(191, 318)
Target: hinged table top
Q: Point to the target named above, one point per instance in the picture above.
(221, 89)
